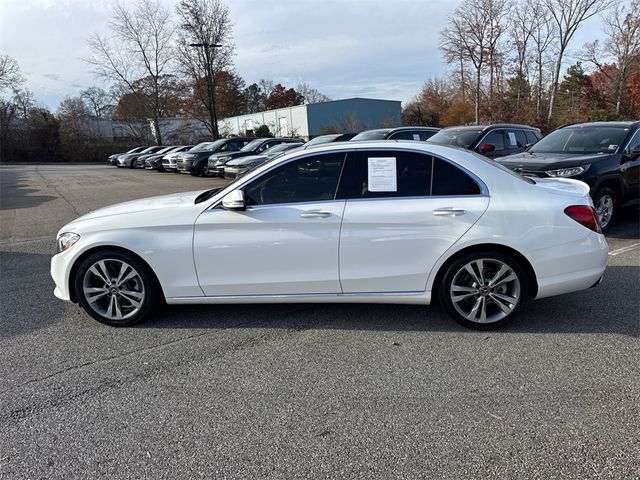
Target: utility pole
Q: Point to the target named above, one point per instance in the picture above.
(213, 118)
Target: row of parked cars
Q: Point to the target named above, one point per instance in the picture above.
(605, 155)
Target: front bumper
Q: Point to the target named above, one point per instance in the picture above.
(61, 264)
(186, 166)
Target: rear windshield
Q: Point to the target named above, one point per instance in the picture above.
(456, 137)
(372, 135)
(587, 139)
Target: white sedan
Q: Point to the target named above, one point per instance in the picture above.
(382, 222)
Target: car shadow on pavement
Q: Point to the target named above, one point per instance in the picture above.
(612, 307)
(16, 195)
(627, 225)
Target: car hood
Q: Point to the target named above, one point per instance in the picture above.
(182, 199)
(241, 162)
(548, 161)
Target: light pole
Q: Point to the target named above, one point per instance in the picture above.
(213, 118)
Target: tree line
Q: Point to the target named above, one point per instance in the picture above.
(506, 58)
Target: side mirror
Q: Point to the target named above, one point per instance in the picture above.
(487, 147)
(234, 201)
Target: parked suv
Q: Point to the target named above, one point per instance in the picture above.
(195, 160)
(492, 141)
(256, 147)
(400, 133)
(605, 155)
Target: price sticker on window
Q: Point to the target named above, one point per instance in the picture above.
(382, 174)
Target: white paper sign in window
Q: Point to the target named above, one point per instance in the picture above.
(416, 137)
(382, 174)
(512, 139)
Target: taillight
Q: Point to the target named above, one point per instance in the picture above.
(585, 215)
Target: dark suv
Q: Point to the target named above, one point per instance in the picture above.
(605, 155)
(401, 133)
(194, 161)
(492, 141)
(217, 161)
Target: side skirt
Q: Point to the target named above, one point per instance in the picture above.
(408, 298)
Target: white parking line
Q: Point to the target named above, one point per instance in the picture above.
(626, 249)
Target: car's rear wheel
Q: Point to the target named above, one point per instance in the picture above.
(606, 204)
(116, 289)
(484, 290)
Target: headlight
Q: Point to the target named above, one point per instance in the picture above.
(222, 160)
(568, 172)
(66, 241)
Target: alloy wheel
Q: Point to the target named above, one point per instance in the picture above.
(485, 290)
(604, 209)
(113, 289)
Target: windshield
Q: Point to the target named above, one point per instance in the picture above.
(587, 139)
(165, 149)
(372, 135)
(251, 146)
(150, 149)
(456, 137)
(322, 139)
(208, 146)
(136, 150)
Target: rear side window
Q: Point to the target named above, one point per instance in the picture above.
(401, 135)
(411, 174)
(451, 180)
(516, 139)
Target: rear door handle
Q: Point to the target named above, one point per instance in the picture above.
(449, 212)
(315, 214)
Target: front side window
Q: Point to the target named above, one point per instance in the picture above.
(464, 138)
(309, 179)
(401, 135)
(633, 143)
(494, 138)
(515, 139)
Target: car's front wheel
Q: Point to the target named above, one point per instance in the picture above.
(484, 290)
(116, 288)
(606, 204)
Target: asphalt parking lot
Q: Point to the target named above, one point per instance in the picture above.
(302, 391)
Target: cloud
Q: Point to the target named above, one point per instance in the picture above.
(52, 76)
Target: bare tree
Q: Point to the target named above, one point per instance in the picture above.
(205, 22)
(310, 94)
(97, 100)
(544, 36)
(521, 32)
(621, 46)
(468, 33)
(140, 46)
(568, 16)
(10, 76)
(496, 13)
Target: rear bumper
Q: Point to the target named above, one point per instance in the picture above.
(570, 267)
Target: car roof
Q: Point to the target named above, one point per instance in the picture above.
(493, 126)
(628, 123)
(428, 129)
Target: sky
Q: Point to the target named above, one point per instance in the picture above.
(343, 48)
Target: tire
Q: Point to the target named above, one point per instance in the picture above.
(101, 296)
(205, 169)
(606, 205)
(479, 304)
(133, 164)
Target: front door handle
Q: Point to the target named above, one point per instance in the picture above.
(315, 214)
(449, 212)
